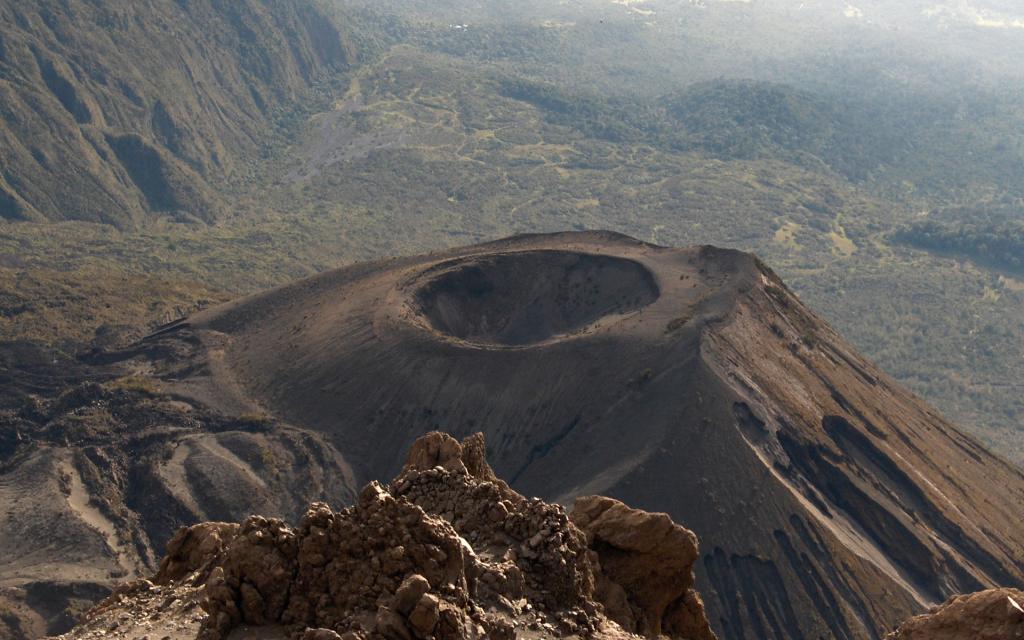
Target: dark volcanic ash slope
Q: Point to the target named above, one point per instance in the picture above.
(829, 501)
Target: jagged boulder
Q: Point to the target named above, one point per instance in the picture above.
(416, 559)
(995, 614)
(341, 571)
(435, 449)
(645, 569)
(194, 550)
(543, 552)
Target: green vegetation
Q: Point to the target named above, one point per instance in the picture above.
(254, 421)
(139, 384)
(989, 236)
(675, 324)
(270, 461)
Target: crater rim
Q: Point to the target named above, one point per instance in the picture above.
(528, 298)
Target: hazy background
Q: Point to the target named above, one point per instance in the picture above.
(162, 156)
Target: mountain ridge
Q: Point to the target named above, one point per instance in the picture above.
(151, 103)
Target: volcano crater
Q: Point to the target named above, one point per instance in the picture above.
(525, 298)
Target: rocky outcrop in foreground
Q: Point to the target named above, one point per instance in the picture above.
(995, 614)
(446, 551)
(645, 569)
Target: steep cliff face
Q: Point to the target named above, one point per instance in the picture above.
(829, 501)
(114, 110)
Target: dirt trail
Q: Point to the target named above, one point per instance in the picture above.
(79, 501)
(175, 478)
(217, 449)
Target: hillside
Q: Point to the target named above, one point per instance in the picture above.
(98, 478)
(113, 111)
(830, 501)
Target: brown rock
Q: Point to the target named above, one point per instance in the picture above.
(995, 614)
(320, 634)
(391, 625)
(474, 456)
(408, 595)
(194, 549)
(435, 449)
(646, 561)
(686, 618)
(425, 615)
(252, 604)
(452, 625)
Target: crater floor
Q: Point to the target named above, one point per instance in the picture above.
(529, 297)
